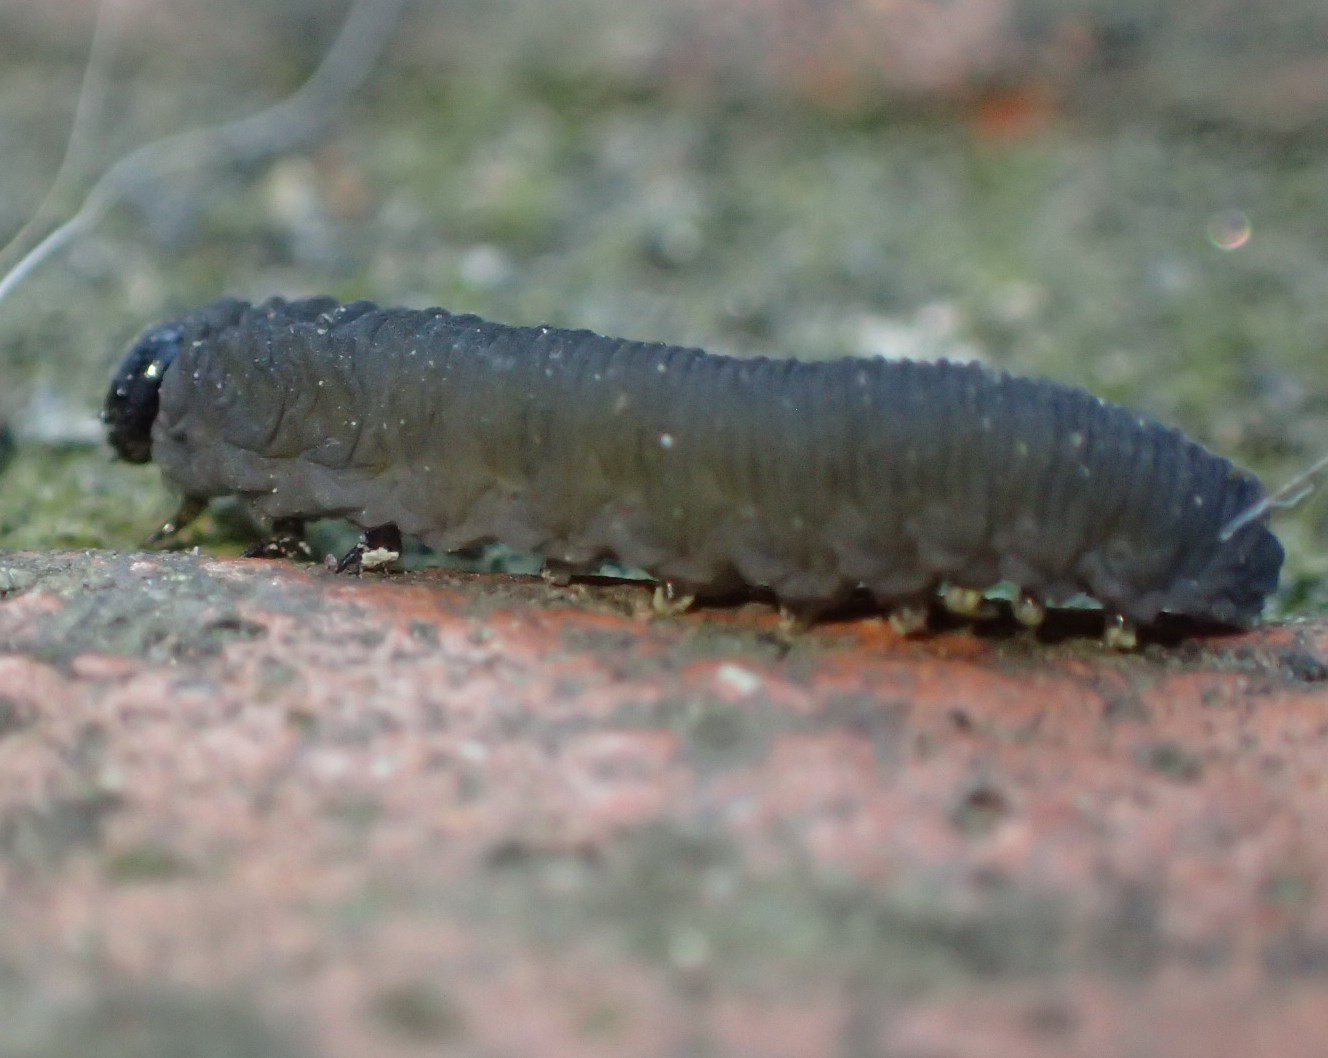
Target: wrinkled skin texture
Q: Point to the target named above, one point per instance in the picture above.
(710, 472)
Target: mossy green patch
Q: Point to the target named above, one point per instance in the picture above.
(147, 862)
(56, 498)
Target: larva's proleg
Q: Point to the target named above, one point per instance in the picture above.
(709, 472)
(1029, 610)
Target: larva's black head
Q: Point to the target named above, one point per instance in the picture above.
(132, 402)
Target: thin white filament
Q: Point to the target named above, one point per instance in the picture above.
(91, 95)
(294, 122)
(1290, 494)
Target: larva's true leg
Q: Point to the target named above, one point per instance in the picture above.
(287, 541)
(1120, 633)
(379, 547)
(909, 613)
(671, 599)
(190, 508)
(1029, 610)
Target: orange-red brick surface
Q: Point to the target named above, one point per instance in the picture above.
(479, 815)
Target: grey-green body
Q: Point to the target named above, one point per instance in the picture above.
(810, 478)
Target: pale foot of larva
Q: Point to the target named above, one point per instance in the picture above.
(1120, 633)
(556, 575)
(792, 623)
(669, 600)
(967, 602)
(909, 619)
(1029, 610)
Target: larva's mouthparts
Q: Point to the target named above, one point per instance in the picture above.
(132, 401)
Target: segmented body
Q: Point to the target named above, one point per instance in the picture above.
(810, 478)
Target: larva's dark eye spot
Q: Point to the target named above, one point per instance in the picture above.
(132, 401)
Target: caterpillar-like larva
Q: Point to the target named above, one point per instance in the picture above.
(709, 472)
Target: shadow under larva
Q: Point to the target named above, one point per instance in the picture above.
(815, 480)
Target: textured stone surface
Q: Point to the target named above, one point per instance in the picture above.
(384, 816)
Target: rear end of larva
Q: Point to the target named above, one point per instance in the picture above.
(1049, 488)
(813, 479)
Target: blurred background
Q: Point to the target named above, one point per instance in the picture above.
(1122, 194)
